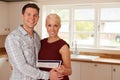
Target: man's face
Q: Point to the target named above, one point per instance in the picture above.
(30, 17)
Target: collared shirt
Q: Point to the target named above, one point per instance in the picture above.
(22, 50)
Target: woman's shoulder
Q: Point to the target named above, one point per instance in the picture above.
(63, 42)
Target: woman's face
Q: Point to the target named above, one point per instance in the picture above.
(53, 26)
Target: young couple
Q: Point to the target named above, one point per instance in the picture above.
(23, 45)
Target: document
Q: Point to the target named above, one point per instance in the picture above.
(49, 63)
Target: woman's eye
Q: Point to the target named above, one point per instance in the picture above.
(56, 25)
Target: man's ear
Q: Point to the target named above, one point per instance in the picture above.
(22, 16)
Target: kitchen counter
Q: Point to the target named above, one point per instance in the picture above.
(3, 52)
(95, 58)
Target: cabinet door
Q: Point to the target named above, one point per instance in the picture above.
(4, 27)
(75, 71)
(5, 69)
(95, 71)
(115, 72)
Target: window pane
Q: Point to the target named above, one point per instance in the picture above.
(64, 27)
(63, 13)
(110, 27)
(84, 39)
(110, 14)
(84, 14)
(110, 39)
(65, 36)
(84, 26)
(64, 31)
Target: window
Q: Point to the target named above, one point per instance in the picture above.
(84, 25)
(110, 27)
(93, 26)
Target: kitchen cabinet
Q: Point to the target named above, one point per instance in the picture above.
(75, 71)
(5, 69)
(10, 16)
(90, 71)
(95, 71)
(115, 72)
(4, 27)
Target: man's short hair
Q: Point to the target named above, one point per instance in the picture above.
(30, 5)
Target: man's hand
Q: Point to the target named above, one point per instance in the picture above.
(54, 75)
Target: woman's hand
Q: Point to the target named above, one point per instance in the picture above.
(63, 70)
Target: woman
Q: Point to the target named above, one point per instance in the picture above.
(55, 48)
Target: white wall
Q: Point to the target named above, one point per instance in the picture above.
(75, 1)
(15, 9)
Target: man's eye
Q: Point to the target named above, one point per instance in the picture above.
(49, 25)
(36, 15)
(28, 14)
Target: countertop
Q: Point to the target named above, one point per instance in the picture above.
(95, 59)
(3, 52)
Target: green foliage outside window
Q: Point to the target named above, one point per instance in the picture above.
(84, 26)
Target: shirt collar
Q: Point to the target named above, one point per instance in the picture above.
(23, 31)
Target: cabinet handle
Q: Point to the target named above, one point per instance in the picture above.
(114, 69)
(6, 60)
(95, 65)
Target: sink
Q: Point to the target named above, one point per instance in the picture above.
(84, 57)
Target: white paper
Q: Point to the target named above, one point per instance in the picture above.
(48, 63)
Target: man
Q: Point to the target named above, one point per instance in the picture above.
(22, 46)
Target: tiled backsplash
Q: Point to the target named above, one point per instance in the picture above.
(2, 40)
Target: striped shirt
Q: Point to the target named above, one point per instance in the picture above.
(22, 50)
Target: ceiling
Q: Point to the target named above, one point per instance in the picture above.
(15, 0)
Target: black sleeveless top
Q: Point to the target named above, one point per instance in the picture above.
(50, 51)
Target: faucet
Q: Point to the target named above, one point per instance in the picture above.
(76, 48)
